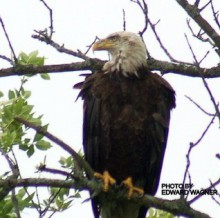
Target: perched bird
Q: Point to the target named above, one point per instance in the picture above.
(126, 122)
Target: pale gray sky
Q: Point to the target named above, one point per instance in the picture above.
(76, 23)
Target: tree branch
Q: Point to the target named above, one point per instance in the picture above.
(94, 64)
(194, 13)
(40, 129)
(44, 37)
(178, 207)
(9, 42)
(51, 17)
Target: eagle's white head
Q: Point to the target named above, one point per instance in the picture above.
(127, 50)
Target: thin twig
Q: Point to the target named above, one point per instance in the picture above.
(124, 20)
(206, 189)
(199, 35)
(192, 145)
(203, 7)
(43, 36)
(9, 42)
(196, 62)
(211, 97)
(213, 198)
(15, 174)
(90, 46)
(54, 171)
(51, 18)
(15, 204)
(153, 27)
(197, 105)
(7, 59)
(194, 13)
(144, 9)
(205, 131)
(204, 57)
(215, 15)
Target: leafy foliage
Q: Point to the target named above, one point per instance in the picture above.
(155, 213)
(7, 207)
(14, 133)
(34, 60)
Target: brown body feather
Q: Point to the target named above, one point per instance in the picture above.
(125, 129)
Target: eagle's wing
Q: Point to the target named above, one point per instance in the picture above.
(91, 128)
(157, 136)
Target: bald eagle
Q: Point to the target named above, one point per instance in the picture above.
(126, 121)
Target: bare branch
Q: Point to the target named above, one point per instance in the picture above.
(211, 97)
(9, 42)
(124, 20)
(197, 105)
(194, 13)
(144, 8)
(7, 59)
(203, 7)
(43, 37)
(90, 46)
(197, 3)
(43, 168)
(199, 35)
(206, 189)
(215, 15)
(205, 131)
(213, 198)
(196, 62)
(159, 40)
(51, 18)
(192, 145)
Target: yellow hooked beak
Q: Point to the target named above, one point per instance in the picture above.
(103, 44)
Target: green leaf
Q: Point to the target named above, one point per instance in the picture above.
(43, 145)
(45, 76)
(38, 137)
(1, 94)
(33, 54)
(66, 205)
(11, 94)
(30, 59)
(27, 94)
(22, 57)
(23, 147)
(30, 151)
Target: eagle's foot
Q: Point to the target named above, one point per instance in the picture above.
(131, 188)
(108, 180)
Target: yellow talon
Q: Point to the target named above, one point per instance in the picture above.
(107, 179)
(131, 188)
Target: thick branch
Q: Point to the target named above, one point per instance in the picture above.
(178, 207)
(96, 64)
(194, 13)
(90, 64)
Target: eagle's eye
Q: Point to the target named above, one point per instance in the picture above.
(113, 38)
